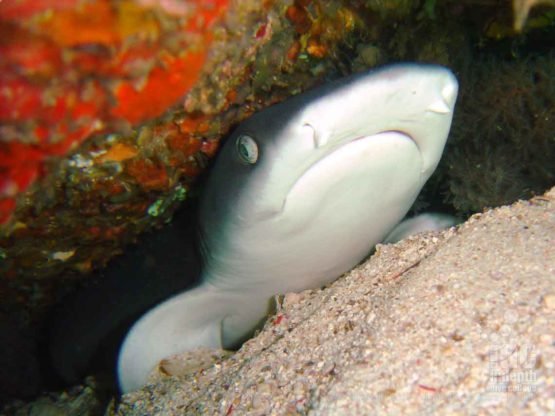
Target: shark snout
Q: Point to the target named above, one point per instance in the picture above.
(431, 139)
(445, 101)
(449, 90)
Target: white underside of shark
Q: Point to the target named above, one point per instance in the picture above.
(299, 194)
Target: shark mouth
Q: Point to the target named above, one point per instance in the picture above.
(362, 151)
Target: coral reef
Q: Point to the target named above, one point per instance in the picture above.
(78, 179)
(130, 176)
(74, 69)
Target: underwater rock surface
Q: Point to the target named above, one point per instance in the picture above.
(457, 322)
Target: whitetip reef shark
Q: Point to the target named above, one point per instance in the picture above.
(299, 194)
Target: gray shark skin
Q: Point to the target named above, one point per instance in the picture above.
(299, 194)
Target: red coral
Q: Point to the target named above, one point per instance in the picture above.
(164, 86)
(74, 68)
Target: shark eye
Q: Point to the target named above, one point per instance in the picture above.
(247, 149)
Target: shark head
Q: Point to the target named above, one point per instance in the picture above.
(309, 186)
(298, 195)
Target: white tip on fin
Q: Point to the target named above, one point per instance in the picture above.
(419, 224)
(187, 321)
(205, 316)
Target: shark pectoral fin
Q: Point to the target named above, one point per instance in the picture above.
(188, 321)
(421, 223)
